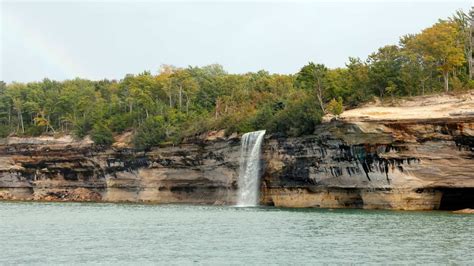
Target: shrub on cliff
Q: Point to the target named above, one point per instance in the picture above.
(4, 131)
(101, 135)
(299, 118)
(82, 127)
(150, 133)
(335, 107)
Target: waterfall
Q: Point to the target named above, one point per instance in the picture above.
(249, 172)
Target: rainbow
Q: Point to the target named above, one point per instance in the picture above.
(49, 53)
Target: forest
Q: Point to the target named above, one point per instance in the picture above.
(178, 103)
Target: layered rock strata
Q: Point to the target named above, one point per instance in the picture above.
(64, 169)
(390, 165)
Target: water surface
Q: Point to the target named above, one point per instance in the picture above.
(65, 233)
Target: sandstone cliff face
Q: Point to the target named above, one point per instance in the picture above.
(372, 165)
(64, 169)
(367, 158)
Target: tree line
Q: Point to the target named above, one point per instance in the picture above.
(177, 102)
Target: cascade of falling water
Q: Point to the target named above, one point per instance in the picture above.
(249, 172)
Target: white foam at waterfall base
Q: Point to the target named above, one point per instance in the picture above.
(249, 172)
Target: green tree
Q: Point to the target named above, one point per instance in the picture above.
(151, 133)
(384, 68)
(298, 118)
(101, 135)
(357, 79)
(16, 93)
(313, 77)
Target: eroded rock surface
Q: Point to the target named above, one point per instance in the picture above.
(80, 171)
(391, 166)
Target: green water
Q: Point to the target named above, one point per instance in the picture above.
(74, 233)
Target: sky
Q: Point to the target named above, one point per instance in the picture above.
(107, 39)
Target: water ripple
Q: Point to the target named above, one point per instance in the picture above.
(71, 233)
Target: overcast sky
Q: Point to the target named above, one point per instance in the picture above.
(110, 39)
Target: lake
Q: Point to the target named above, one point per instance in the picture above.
(75, 233)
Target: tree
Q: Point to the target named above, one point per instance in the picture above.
(16, 92)
(164, 78)
(384, 68)
(313, 76)
(150, 133)
(357, 79)
(185, 85)
(440, 44)
(212, 82)
(5, 111)
(299, 117)
(102, 135)
(141, 88)
(463, 22)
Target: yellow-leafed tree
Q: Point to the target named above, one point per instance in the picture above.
(440, 44)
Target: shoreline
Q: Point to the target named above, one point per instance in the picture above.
(307, 209)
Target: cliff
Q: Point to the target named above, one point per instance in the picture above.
(416, 155)
(63, 169)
